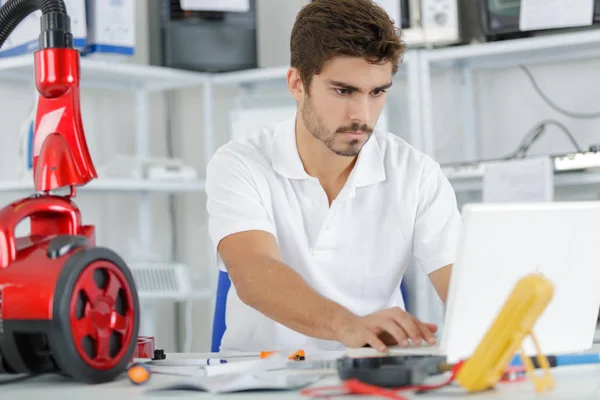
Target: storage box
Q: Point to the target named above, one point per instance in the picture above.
(25, 38)
(110, 27)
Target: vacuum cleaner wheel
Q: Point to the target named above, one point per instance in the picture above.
(95, 316)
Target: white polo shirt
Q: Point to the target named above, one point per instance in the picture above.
(396, 207)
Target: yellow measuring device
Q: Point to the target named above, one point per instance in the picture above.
(504, 339)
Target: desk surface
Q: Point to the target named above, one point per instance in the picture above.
(574, 382)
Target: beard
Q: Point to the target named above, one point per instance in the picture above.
(316, 126)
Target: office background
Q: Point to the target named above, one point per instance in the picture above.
(505, 106)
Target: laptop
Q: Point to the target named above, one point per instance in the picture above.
(500, 244)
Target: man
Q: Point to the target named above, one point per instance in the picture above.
(316, 218)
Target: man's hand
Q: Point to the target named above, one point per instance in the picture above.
(387, 327)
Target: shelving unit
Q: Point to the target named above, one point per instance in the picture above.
(251, 76)
(540, 49)
(141, 80)
(102, 74)
(563, 180)
(111, 186)
(549, 48)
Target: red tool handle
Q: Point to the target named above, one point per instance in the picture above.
(50, 215)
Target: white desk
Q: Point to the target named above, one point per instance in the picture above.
(576, 382)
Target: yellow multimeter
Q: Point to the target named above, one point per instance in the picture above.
(515, 321)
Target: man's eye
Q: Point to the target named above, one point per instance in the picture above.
(342, 92)
(378, 92)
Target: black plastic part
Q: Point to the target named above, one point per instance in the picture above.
(61, 245)
(389, 372)
(13, 12)
(25, 345)
(56, 31)
(551, 360)
(11, 15)
(159, 354)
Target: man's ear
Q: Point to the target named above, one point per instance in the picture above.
(295, 85)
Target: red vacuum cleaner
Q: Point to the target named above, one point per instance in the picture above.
(66, 305)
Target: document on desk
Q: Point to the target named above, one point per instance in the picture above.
(549, 14)
(522, 180)
(263, 374)
(241, 383)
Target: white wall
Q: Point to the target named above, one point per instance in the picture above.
(108, 118)
(507, 108)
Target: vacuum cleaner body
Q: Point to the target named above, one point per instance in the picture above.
(66, 305)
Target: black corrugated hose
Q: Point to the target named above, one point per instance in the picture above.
(15, 11)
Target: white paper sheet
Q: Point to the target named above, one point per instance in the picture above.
(526, 180)
(216, 5)
(240, 383)
(393, 9)
(549, 14)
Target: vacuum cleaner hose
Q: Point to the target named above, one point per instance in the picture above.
(55, 24)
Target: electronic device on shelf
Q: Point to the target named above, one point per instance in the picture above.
(569, 162)
(202, 37)
(499, 20)
(429, 22)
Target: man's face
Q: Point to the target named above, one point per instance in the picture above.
(344, 103)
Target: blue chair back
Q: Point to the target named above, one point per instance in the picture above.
(219, 327)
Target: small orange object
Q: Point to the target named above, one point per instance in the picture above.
(297, 356)
(138, 373)
(265, 354)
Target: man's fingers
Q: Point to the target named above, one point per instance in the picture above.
(397, 332)
(432, 327)
(411, 329)
(374, 341)
(427, 330)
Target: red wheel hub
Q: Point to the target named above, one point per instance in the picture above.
(102, 315)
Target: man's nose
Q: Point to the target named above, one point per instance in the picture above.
(359, 110)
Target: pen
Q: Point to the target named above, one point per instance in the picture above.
(561, 360)
(189, 362)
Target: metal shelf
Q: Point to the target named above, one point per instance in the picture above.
(508, 53)
(566, 179)
(250, 76)
(102, 74)
(115, 186)
(270, 74)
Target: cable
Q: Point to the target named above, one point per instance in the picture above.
(536, 132)
(13, 12)
(552, 104)
(565, 130)
(354, 386)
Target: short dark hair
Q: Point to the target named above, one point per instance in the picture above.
(325, 29)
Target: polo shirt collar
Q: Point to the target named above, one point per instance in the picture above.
(285, 156)
(369, 167)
